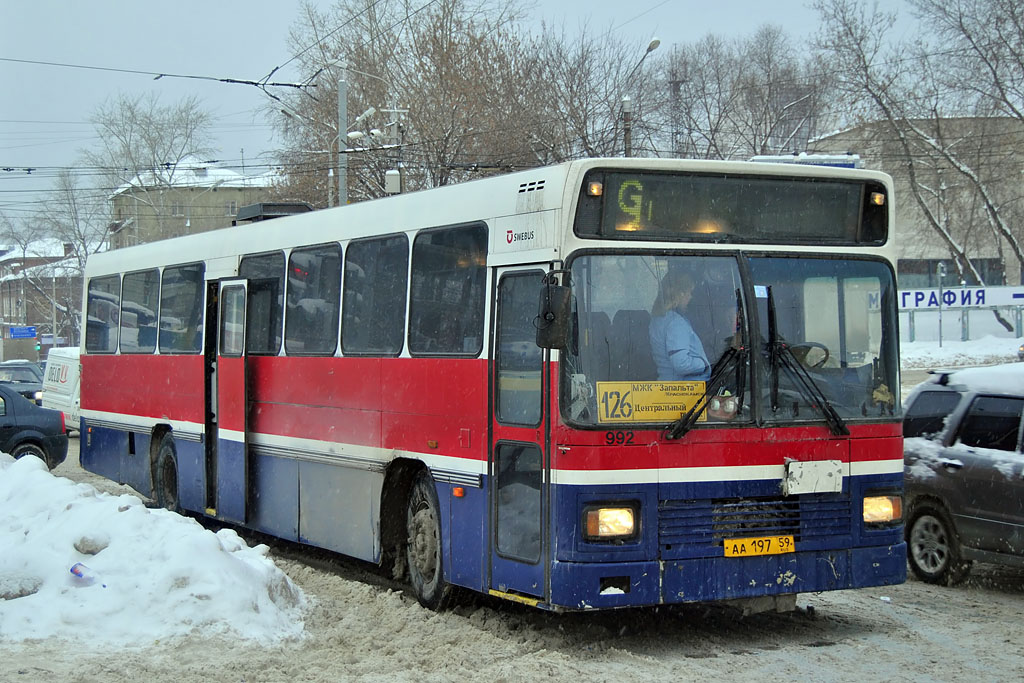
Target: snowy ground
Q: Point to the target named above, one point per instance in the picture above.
(185, 603)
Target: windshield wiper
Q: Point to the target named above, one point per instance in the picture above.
(781, 355)
(733, 358)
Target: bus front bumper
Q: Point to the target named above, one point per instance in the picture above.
(580, 585)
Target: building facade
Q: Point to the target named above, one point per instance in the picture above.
(181, 200)
(993, 149)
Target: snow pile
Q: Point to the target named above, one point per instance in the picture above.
(158, 575)
(954, 354)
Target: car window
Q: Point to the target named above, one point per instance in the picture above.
(17, 375)
(928, 412)
(992, 422)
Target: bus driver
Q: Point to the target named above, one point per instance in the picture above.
(676, 348)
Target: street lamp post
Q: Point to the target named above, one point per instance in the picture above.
(395, 127)
(627, 103)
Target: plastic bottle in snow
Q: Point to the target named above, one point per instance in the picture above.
(84, 575)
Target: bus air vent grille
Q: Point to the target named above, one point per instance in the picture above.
(696, 524)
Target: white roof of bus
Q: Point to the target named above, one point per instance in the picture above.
(486, 199)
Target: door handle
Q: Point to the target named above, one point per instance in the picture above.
(951, 464)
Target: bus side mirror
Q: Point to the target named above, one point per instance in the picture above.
(554, 314)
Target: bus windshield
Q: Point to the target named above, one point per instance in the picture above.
(653, 329)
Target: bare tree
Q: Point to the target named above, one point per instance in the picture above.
(736, 99)
(440, 88)
(143, 143)
(703, 99)
(586, 77)
(916, 97)
(78, 218)
(42, 287)
(53, 246)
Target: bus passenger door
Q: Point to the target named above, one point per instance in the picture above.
(231, 471)
(518, 466)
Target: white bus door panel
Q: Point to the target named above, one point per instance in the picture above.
(232, 471)
(518, 468)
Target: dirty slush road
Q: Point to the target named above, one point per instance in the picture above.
(361, 626)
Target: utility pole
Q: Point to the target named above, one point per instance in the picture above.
(396, 137)
(627, 125)
(342, 140)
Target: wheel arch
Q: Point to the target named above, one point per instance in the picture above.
(156, 436)
(28, 439)
(928, 500)
(398, 479)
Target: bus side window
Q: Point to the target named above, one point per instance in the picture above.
(376, 279)
(266, 306)
(101, 326)
(314, 283)
(140, 293)
(181, 306)
(449, 271)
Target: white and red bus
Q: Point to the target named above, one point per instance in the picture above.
(460, 383)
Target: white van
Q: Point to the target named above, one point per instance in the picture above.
(61, 383)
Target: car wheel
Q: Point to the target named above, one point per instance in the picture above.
(423, 547)
(933, 549)
(24, 449)
(166, 475)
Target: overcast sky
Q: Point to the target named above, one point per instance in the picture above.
(44, 111)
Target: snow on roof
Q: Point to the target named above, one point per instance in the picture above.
(192, 172)
(65, 268)
(41, 248)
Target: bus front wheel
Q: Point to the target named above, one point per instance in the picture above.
(166, 476)
(423, 545)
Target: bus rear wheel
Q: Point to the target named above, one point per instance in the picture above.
(166, 475)
(423, 547)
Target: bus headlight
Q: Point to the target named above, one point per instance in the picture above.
(883, 509)
(609, 523)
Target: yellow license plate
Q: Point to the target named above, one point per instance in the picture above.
(766, 545)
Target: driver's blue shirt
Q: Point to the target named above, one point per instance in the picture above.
(678, 353)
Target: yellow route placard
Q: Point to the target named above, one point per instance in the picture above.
(623, 402)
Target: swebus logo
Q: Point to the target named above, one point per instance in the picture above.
(511, 237)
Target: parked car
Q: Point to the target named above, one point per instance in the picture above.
(25, 377)
(27, 429)
(62, 383)
(964, 471)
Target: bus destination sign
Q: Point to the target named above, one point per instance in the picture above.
(627, 402)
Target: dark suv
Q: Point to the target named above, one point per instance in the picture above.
(964, 471)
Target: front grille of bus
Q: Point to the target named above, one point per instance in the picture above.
(694, 527)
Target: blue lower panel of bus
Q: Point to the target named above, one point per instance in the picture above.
(232, 480)
(599, 585)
